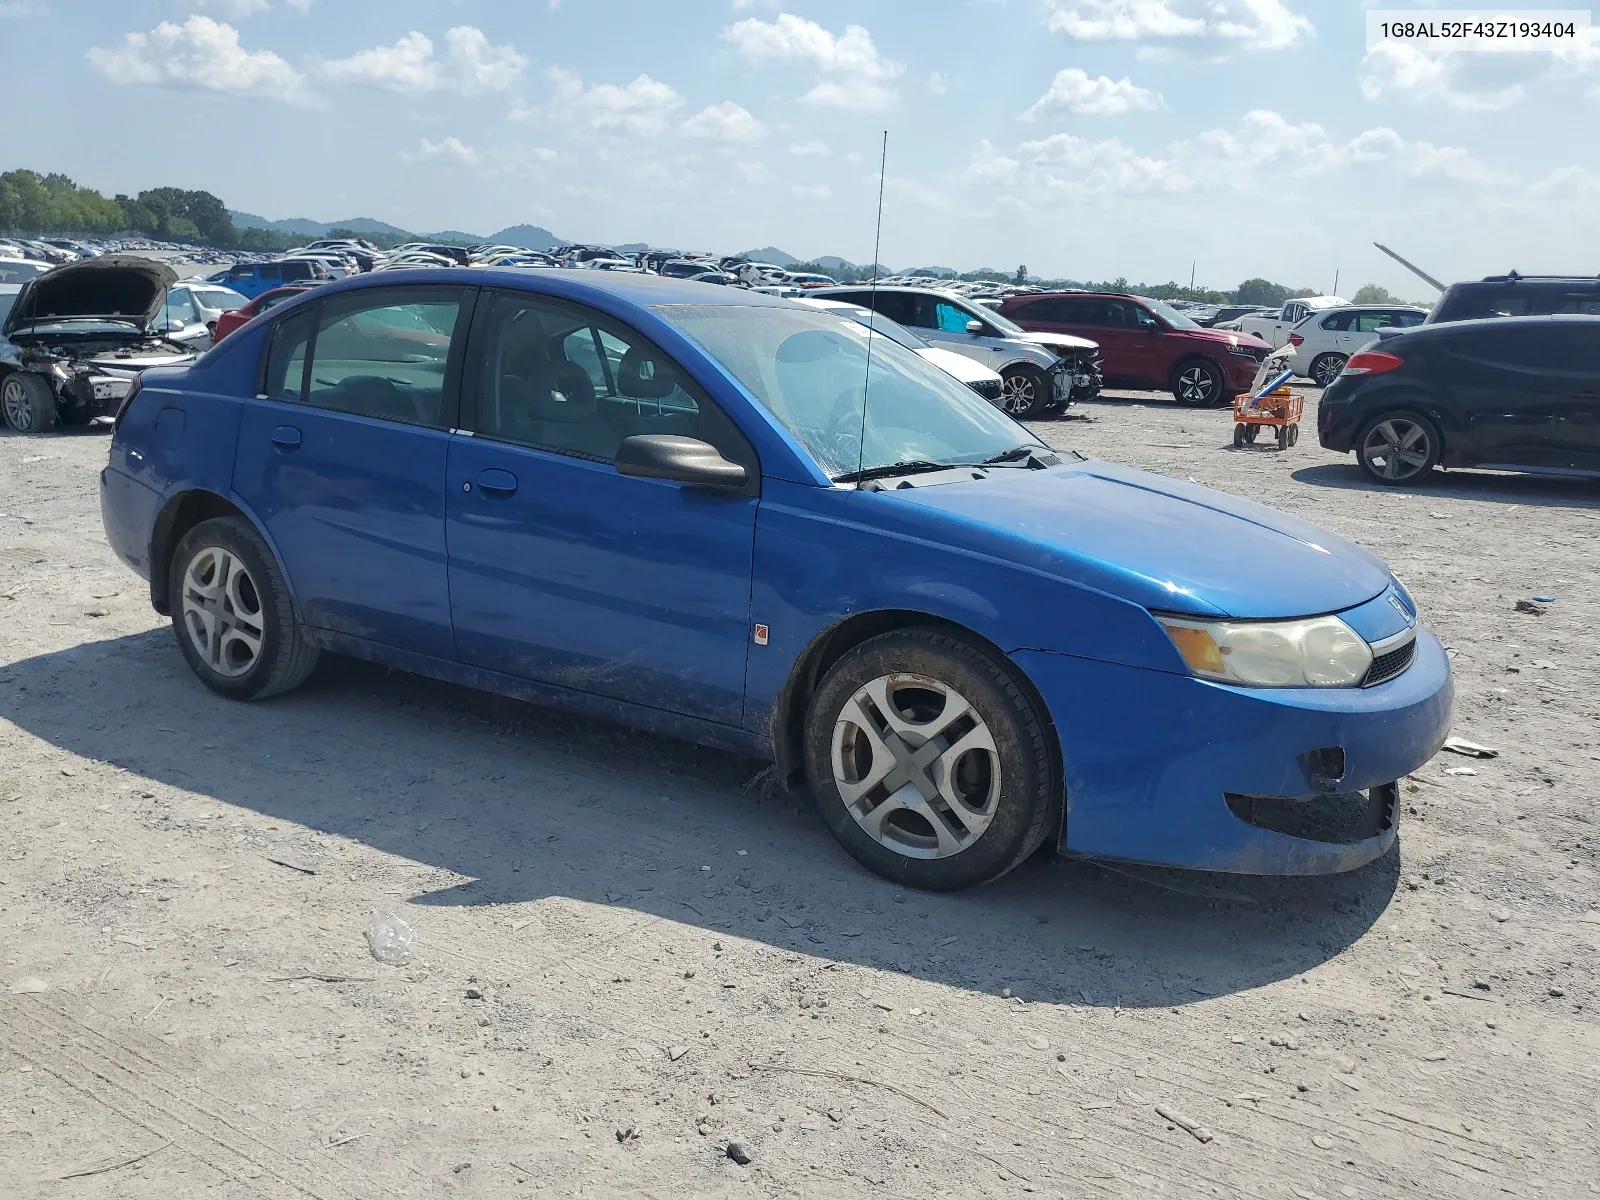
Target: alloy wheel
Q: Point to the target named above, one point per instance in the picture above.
(17, 405)
(916, 766)
(222, 611)
(1397, 449)
(1016, 394)
(1326, 369)
(1195, 385)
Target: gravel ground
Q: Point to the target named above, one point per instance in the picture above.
(628, 957)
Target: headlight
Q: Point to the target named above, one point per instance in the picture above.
(1315, 652)
(1236, 348)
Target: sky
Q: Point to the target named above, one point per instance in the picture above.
(1087, 139)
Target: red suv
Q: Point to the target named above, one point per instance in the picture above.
(1145, 344)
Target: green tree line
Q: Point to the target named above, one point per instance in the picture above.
(34, 203)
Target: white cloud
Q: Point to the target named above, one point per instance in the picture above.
(854, 74)
(1101, 96)
(938, 84)
(1247, 24)
(470, 64)
(814, 146)
(448, 150)
(643, 108)
(406, 66)
(812, 191)
(1468, 82)
(757, 172)
(237, 9)
(1263, 153)
(200, 53)
(726, 122)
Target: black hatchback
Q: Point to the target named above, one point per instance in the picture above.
(1509, 393)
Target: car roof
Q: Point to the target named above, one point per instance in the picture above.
(1349, 308)
(640, 289)
(1440, 329)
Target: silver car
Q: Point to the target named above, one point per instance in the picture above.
(1040, 372)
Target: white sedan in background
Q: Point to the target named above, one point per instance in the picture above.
(1274, 326)
(1323, 342)
(975, 375)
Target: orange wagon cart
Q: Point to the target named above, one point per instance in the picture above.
(1279, 409)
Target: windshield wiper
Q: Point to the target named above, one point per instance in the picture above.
(1015, 454)
(911, 466)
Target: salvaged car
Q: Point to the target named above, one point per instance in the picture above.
(78, 338)
(702, 511)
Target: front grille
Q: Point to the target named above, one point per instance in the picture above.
(1342, 818)
(989, 389)
(1386, 666)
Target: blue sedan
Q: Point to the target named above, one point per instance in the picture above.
(734, 519)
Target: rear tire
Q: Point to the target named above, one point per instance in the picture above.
(1398, 449)
(989, 790)
(1024, 391)
(28, 403)
(1198, 383)
(1325, 368)
(232, 614)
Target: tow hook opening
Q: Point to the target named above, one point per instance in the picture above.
(1324, 767)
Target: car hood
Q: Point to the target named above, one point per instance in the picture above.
(1159, 543)
(1056, 341)
(115, 287)
(959, 365)
(1226, 337)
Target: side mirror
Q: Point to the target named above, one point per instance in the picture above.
(976, 328)
(679, 459)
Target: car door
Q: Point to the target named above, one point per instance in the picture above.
(342, 454)
(1140, 349)
(945, 323)
(1528, 391)
(563, 570)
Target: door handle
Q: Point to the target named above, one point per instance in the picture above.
(286, 436)
(497, 482)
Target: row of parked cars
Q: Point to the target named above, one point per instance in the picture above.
(73, 351)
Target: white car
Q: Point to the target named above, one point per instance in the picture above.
(1274, 327)
(1042, 372)
(975, 375)
(1324, 341)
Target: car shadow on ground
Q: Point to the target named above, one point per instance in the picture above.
(522, 803)
(1545, 491)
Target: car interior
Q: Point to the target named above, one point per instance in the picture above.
(558, 383)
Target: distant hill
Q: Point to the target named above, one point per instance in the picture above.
(532, 237)
(771, 254)
(307, 228)
(941, 272)
(444, 235)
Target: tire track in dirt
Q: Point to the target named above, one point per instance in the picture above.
(96, 1066)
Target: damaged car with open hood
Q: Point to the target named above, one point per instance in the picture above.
(80, 335)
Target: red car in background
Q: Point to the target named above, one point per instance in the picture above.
(1146, 344)
(229, 321)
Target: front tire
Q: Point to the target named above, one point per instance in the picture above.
(232, 614)
(28, 403)
(1325, 368)
(929, 760)
(1024, 391)
(1398, 449)
(1198, 383)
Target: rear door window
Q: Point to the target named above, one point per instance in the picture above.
(385, 353)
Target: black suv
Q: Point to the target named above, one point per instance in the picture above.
(1511, 394)
(1516, 295)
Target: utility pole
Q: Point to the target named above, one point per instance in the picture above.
(1192, 266)
(1335, 291)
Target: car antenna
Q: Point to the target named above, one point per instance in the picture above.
(872, 305)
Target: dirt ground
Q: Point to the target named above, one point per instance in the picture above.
(627, 956)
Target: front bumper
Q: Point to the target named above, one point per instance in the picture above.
(1178, 771)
